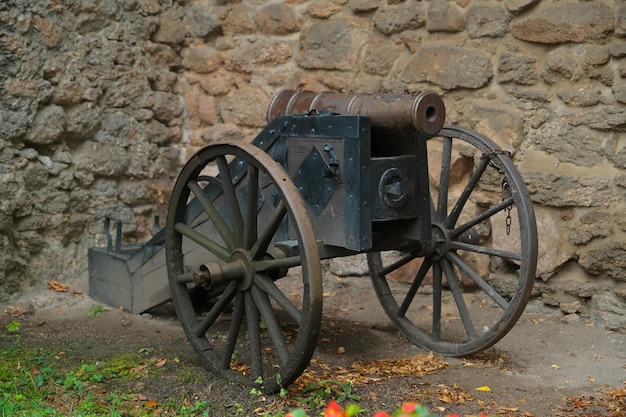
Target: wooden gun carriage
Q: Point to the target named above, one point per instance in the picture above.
(441, 212)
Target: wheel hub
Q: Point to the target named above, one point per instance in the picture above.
(238, 269)
(242, 259)
(441, 239)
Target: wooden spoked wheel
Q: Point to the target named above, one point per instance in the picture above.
(466, 290)
(236, 224)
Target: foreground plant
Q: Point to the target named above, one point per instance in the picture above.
(37, 382)
(407, 410)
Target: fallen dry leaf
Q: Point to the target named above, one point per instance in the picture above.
(138, 369)
(503, 410)
(161, 363)
(57, 286)
(361, 373)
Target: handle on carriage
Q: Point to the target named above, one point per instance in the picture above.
(425, 112)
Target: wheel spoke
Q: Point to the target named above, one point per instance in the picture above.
(261, 245)
(214, 247)
(417, 281)
(208, 320)
(221, 226)
(444, 179)
(453, 283)
(233, 330)
(437, 288)
(515, 256)
(482, 217)
(231, 198)
(252, 196)
(267, 285)
(253, 320)
(264, 265)
(488, 289)
(467, 191)
(397, 264)
(271, 323)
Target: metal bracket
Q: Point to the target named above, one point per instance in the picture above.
(332, 167)
(118, 234)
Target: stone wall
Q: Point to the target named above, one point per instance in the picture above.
(102, 100)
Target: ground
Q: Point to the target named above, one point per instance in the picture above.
(548, 365)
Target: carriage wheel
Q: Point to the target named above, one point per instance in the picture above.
(464, 292)
(247, 318)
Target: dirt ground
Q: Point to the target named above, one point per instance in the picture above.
(548, 365)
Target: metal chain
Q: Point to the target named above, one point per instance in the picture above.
(506, 193)
(508, 220)
(506, 188)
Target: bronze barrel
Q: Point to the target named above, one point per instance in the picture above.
(425, 112)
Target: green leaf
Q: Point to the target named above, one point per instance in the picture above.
(14, 327)
(298, 412)
(96, 310)
(352, 410)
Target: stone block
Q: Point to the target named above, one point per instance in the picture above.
(578, 146)
(198, 21)
(566, 22)
(48, 126)
(380, 56)
(519, 6)
(238, 21)
(363, 6)
(202, 59)
(324, 9)
(517, 69)
(247, 106)
(333, 44)
(398, 18)
(438, 64)
(608, 259)
(609, 312)
(277, 19)
(487, 21)
(581, 96)
(248, 56)
(444, 16)
(349, 266)
(171, 29)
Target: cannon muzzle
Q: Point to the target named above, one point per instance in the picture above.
(425, 112)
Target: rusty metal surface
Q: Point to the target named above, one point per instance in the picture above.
(425, 112)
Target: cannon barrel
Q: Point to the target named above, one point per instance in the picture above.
(425, 112)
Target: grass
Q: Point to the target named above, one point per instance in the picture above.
(68, 381)
(41, 382)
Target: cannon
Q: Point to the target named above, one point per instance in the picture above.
(441, 213)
